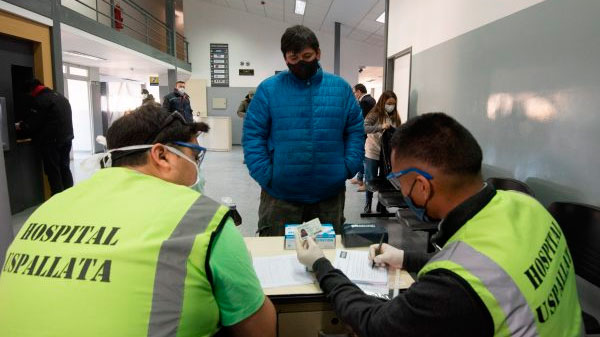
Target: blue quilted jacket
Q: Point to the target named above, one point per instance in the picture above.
(303, 139)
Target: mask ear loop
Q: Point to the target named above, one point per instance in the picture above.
(107, 160)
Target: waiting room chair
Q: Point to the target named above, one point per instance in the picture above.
(581, 225)
(511, 185)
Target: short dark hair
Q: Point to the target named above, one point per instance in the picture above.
(31, 84)
(360, 87)
(179, 82)
(145, 91)
(297, 38)
(148, 124)
(440, 141)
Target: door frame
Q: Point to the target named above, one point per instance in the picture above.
(68, 76)
(389, 74)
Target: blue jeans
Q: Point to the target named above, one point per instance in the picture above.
(371, 171)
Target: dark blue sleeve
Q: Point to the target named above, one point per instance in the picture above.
(354, 135)
(439, 304)
(257, 129)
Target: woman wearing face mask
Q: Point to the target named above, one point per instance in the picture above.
(382, 117)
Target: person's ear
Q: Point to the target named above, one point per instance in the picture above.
(423, 188)
(160, 156)
(318, 54)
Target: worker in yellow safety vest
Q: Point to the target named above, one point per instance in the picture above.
(135, 250)
(502, 268)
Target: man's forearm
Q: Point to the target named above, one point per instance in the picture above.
(440, 297)
(414, 261)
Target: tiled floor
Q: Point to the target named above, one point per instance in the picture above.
(227, 176)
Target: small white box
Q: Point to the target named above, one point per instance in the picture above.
(325, 239)
(219, 103)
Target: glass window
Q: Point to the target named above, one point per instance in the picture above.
(78, 71)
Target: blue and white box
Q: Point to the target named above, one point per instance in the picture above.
(325, 239)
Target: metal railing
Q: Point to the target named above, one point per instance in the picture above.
(135, 21)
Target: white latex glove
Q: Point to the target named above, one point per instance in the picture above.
(388, 255)
(307, 250)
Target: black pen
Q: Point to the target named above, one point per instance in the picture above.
(378, 251)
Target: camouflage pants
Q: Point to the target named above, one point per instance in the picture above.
(273, 213)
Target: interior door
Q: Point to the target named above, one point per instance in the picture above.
(402, 84)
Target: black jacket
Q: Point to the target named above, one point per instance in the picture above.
(366, 104)
(440, 303)
(174, 101)
(50, 119)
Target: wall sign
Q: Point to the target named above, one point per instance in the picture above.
(219, 64)
(246, 72)
(153, 81)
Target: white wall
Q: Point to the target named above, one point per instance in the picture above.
(426, 23)
(372, 78)
(256, 39)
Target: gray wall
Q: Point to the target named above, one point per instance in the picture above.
(528, 87)
(234, 97)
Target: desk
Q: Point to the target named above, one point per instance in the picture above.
(304, 310)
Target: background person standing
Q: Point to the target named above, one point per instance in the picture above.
(367, 102)
(147, 97)
(179, 101)
(383, 116)
(303, 137)
(241, 111)
(50, 126)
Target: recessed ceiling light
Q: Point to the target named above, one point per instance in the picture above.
(300, 7)
(90, 57)
(381, 18)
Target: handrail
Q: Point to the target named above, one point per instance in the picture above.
(151, 25)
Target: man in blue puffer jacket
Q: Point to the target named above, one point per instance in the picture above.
(303, 137)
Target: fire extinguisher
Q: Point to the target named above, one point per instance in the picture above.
(118, 14)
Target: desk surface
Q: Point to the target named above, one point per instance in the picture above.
(271, 246)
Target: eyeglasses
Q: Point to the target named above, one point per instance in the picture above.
(201, 150)
(393, 177)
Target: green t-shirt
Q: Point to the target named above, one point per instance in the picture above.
(237, 289)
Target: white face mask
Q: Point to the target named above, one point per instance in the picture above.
(144, 96)
(389, 108)
(199, 184)
(93, 163)
(181, 90)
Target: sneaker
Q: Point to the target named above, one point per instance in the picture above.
(355, 181)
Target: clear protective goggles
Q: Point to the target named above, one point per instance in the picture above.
(393, 177)
(105, 159)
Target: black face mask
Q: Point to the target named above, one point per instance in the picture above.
(303, 69)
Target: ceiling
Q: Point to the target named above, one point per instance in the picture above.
(371, 74)
(120, 62)
(356, 16)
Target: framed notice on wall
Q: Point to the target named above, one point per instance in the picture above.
(219, 64)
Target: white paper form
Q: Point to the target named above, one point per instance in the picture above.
(281, 271)
(356, 266)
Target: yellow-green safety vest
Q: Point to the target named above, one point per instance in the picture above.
(515, 257)
(121, 254)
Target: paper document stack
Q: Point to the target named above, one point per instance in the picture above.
(357, 267)
(281, 271)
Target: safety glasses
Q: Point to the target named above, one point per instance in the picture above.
(393, 177)
(175, 116)
(201, 150)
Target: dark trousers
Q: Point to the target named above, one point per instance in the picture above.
(56, 165)
(273, 213)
